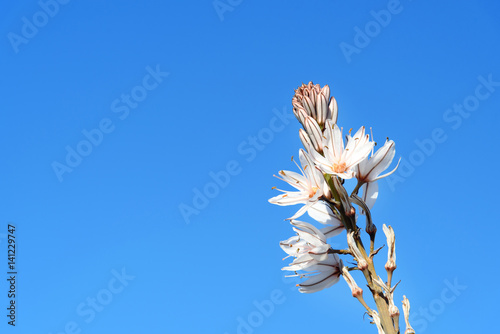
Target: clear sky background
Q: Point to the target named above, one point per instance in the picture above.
(127, 232)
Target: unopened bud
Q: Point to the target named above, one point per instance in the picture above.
(304, 138)
(371, 229)
(391, 245)
(406, 312)
(351, 212)
(355, 289)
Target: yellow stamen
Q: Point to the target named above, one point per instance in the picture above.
(339, 168)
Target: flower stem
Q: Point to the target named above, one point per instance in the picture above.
(378, 297)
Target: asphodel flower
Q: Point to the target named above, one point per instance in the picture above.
(310, 185)
(321, 275)
(308, 247)
(368, 171)
(312, 100)
(340, 160)
(310, 250)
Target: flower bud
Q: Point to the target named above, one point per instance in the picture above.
(406, 311)
(355, 289)
(391, 245)
(314, 101)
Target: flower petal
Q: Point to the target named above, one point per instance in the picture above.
(322, 213)
(320, 281)
(309, 233)
(380, 160)
(370, 193)
(331, 231)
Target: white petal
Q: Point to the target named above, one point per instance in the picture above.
(338, 143)
(301, 211)
(289, 198)
(360, 151)
(348, 174)
(293, 246)
(387, 174)
(380, 160)
(331, 231)
(294, 179)
(309, 233)
(314, 176)
(320, 253)
(301, 263)
(322, 213)
(370, 193)
(320, 281)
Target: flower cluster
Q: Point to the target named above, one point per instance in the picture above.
(328, 162)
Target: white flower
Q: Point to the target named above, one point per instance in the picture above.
(321, 275)
(368, 171)
(310, 185)
(310, 250)
(312, 100)
(308, 246)
(338, 160)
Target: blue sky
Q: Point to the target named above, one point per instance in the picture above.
(140, 140)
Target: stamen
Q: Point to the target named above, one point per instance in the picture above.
(339, 168)
(298, 166)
